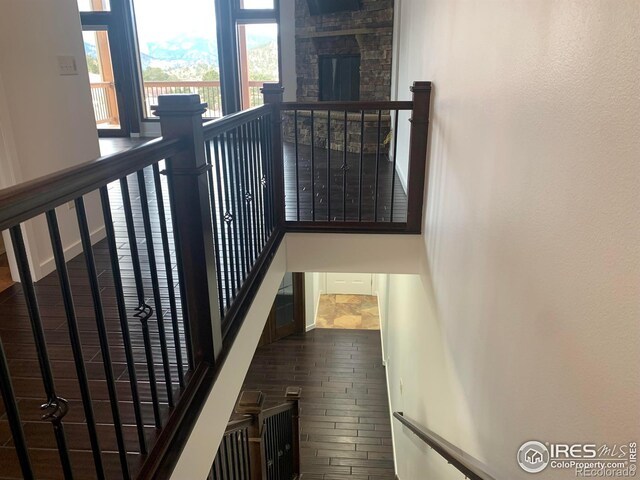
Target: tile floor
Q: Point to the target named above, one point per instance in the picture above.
(349, 312)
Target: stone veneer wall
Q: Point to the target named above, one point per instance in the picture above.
(368, 31)
(336, 142)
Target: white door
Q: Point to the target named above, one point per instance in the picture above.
(349, 283)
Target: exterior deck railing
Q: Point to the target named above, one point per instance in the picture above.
(192, 221)
(209, 92)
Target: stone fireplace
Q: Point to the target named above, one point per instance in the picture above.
(342, 55)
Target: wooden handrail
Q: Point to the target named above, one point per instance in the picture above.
(349, 106)
(220, 125)
(466, 464)
(26, 200)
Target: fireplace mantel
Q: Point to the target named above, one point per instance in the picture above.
(343, 32)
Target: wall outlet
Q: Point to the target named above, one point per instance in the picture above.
(67, 65)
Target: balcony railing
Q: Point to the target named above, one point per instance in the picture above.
(209, 92)
(105, 105)
(192, 221)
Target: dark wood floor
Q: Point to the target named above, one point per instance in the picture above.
(356, 201)
(19, 345)
(345, 421)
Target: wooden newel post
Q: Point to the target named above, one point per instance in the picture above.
(418, 168)
(272, 93)
(251, 403)
(181, 117)
(293, 396)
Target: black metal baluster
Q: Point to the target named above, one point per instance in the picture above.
(74, 336)
(56, 407)
(276, 444)
(253, 203)
(375, 192)
(247, 197)
(361, 164)
(214, 224)
(153, 272)
(13, 415)
(94, 285)
(241, 164)
(272, 182)
(261, 180)
(393, 170)
(122, 313)
(313, 169)
(258, 184)
(243, 458)
(345, 169)
(237, 469)
(173, 308)
(295, 136)
(232, 184)
(328, 188)
(257, 187)
(216, 165)
(267, 180)
(237, 188)
(229, 457)
(183, 295)
(236, 194)
(143, 311)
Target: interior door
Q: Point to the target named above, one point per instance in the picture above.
(350, 283)
(287, 316)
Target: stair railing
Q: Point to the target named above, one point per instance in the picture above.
(263, 446)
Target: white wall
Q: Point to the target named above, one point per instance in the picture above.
(47, 120)
(524, 323)
(200, 449)
(312, 291)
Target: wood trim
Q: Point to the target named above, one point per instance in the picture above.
(350, 227)
(195, 393)
(269, 412)
(349, 106)
(340, 33)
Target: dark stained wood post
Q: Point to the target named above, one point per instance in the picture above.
(181, 117)
(251, 403)
(272, 93)
(418, 168)
(293, 396)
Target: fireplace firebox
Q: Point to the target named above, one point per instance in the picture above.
(339, 77)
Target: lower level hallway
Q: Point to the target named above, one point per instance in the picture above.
(344, 409)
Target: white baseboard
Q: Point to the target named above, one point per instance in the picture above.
(49, 265)
(311, 327)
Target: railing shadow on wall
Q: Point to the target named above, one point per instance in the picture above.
(192, 221)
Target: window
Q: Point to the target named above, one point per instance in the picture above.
(178, 51)
(258, 60)
(256, 4)
(94, 5)
(101, 78)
